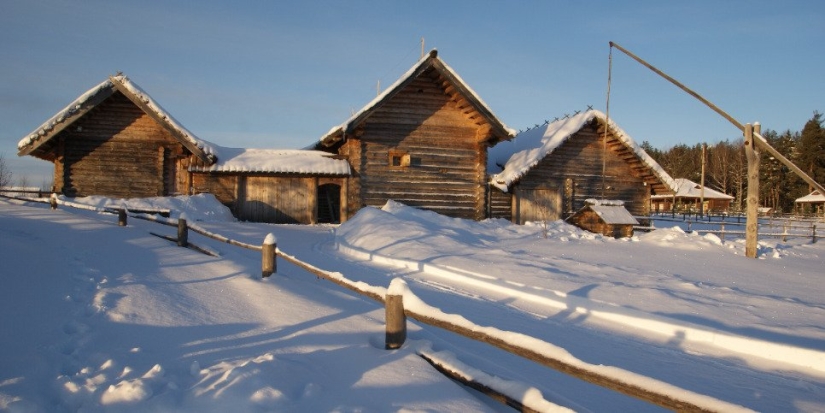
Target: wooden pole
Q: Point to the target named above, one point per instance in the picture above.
(183, 233)
(752, 213)
(702, 185)
(396, 322)
(268, 251)
(761, 142)
(121, 217)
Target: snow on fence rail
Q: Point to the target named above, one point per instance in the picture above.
(400, 302)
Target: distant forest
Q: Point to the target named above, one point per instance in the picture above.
(726, 167)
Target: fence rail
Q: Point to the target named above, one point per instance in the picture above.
(653, 391)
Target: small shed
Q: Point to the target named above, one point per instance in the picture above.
(688, 196)
(282, 186)
(606, 217)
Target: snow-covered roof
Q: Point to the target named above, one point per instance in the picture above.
(429, 60)
(276, 161)
(611, 212)
(690, 189)
(813, 197)
(528, 148)
(98, 94)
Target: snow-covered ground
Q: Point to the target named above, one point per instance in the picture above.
(100, 318)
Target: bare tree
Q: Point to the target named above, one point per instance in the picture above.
(5, 173)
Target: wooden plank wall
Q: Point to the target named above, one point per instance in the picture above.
(423, 122)
(116, 150)
(223, 186)
(580, 160)
(288, 200)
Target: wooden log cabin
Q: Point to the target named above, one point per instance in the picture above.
(548, 172)
(114, 140)
(422, 142)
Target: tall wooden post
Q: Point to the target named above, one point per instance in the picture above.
(396, 322)
(752, 213)
(121, 217)
(702, 185)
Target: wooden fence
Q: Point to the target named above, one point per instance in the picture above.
(769, 227)
(652, 391)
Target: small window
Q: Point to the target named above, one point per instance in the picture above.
(415, 161)
(399, 159)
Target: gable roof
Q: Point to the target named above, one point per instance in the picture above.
(611, 212)
(512, 160)
(460, 89)
(35, 142)
(813, 197)
(690, 189)
(294, 161)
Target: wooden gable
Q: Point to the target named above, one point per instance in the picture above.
(116, 150)
(114, 140)
(490, 129)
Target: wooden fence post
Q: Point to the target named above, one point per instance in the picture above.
(722, 233)
(183, 233)
(396, 322)
(268, 264)
(813, 234)
(121, 217)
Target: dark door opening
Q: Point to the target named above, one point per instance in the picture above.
(329, 204)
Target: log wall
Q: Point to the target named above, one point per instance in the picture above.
(500, 204)
(117, 150)
(446, 162)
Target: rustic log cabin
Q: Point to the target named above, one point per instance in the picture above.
(115, 140)
(548, 172)
(422, 142)
(689, 197)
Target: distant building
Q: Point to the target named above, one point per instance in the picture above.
(813, 203)
(688, 197)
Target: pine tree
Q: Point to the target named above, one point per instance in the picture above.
(811, 151)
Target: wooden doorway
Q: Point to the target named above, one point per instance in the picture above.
(537, 205)
(329, 204)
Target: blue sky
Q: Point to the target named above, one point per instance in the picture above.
(269, 74)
